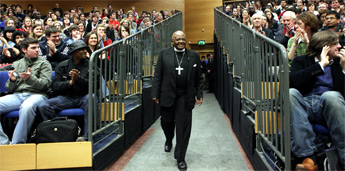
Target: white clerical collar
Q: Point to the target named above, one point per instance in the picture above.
(176, 50)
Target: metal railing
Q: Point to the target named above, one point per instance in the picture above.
(260, 69)
(115, 77)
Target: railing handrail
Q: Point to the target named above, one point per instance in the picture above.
(222, 25)
(119, 62)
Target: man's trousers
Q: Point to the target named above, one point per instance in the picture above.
(178, 116)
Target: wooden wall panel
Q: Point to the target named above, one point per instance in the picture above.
(44, 5)
(198, 15)
(199, 19)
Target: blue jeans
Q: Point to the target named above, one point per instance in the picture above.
(51, 107)
(26, 103)
(327, 109)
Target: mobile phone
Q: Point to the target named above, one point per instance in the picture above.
(15, 74)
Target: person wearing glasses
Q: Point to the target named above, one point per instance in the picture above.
(53, 49)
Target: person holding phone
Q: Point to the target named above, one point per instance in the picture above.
(28, 85)
(317, 90)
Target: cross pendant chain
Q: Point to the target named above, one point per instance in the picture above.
(179, 69)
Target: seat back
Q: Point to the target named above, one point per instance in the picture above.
(3, 80)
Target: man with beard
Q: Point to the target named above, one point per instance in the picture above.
(177, 81)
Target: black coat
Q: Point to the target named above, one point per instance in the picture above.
(61, 80)
(304, 71)
(59, 56)
(269, 33)
(211, 65)
(14, 57)
(164, 84)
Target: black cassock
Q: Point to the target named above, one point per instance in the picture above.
(176, 90)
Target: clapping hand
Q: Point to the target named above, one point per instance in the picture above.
(74, 74)
(288, 28)
(52, 47)
(342, 58)
(324, 58)
(25, 75)
(304, 36)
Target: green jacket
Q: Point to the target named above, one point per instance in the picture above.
(39, 81)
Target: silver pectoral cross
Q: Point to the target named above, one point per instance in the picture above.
(179, 69)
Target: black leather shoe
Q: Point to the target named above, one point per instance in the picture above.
(167, 146)
(182, 165)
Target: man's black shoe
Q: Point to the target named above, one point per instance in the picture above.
(182, 165)
(167, 146)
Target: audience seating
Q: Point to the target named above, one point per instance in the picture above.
(15, 114)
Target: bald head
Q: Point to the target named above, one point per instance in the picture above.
(179, 40)
(178, 32)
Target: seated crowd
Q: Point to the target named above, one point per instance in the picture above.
(33, 46)
(313, 34)
(56, 30)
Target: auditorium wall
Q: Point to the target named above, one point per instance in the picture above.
(44, 5)
(199, 23)
(198, 15)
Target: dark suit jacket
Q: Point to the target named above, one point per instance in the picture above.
(281, 38)
(304, 71)
(268, 32)
(164, 84)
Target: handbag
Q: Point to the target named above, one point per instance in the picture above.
(59, 129)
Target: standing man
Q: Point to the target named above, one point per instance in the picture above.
(210, 75)
(177, 81)
(203, 70)
(29, 83)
